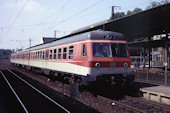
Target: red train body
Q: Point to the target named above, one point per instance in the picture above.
(91, 56)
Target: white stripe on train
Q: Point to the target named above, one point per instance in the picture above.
(73, 68)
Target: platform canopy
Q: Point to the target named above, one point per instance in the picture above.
(144, 24)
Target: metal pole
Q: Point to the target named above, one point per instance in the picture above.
(149, 57)
(112, 13)
(54, 34)
(30, 42)
(147, 76)
(150, 47)
(29, 52)
(166, 59)
(143, 57)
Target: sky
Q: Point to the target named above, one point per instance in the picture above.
(24, 20)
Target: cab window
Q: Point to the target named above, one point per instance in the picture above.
(101, 50)
(84, 53)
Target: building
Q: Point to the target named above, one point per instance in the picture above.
(46, 40)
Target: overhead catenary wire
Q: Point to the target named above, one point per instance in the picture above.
(42, 22)
(50, 23)
(30, 25)
(16, 17)
(11, 12)
(66, 3)
(71, 17)
(55, 21)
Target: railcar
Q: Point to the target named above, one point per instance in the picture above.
(92, 56)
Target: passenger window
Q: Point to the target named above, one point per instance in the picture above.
(36, 55)
(33, 55)
(29, 54)
(59, 53)
(71, 48)
(40, 54)
(55, 52)
(51, 52)
(64, 53)
(84, 50)
(47, 54)
(43, 55)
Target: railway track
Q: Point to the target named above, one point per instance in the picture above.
(35, 91)
(127, 104)
(141, 105)
(29, 94)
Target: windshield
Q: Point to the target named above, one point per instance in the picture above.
(109, 50)
(101, 50)
(119, 50)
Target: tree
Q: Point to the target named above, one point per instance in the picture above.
(122, 14)
(156, 4)
(119, 15)
(153, 5)
(129, 12)
(137, 10)
(165, 1)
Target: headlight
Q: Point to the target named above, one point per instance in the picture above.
(97, 65)
(125, 64)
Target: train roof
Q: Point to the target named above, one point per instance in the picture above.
(96, 34)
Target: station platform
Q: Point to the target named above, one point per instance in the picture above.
(160, 94)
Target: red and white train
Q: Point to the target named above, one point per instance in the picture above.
(91, 56)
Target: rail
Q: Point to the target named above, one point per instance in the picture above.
(150, 106)
(50, 99)
(138, 105)
(25, 109)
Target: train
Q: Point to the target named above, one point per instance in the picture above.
(86, 57)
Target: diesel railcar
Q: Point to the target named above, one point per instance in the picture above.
(89, 57)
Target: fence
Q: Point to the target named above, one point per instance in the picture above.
(148, 76)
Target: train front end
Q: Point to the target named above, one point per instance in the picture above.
(110, 59)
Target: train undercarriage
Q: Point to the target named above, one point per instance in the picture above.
(118, 80)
